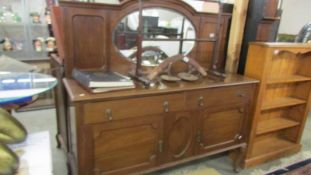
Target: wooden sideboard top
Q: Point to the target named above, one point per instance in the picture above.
(78, 94)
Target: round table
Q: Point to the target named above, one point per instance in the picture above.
(20, 88)
(17, 89)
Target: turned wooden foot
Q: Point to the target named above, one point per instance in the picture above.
(237, 163)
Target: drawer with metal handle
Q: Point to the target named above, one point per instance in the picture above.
(218, 96)
(97, 112)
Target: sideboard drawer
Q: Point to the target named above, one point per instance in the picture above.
(129, 108)
(218, 96)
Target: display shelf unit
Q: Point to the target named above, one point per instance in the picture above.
(22, 31)
(283, 99)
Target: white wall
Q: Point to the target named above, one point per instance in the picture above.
(108, 1)
(296, 13)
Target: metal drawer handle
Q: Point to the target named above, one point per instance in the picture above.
(109, 114)
(201, 101)
(166, 106)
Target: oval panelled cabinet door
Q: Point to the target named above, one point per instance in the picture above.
(180, 136)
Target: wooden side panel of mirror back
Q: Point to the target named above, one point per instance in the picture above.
(208, 25)
(85, 38)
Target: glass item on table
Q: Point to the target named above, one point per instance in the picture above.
(8, 64)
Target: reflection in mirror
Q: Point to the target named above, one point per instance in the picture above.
(165, 33)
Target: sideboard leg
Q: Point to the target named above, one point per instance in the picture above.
(237, 164)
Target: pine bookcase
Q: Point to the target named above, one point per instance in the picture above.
(283, 101)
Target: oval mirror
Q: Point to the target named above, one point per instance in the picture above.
(165, 33)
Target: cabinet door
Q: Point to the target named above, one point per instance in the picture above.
(180, 135)
(221, 126)
(125, 146)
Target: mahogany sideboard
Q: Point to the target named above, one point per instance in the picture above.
(143, 130)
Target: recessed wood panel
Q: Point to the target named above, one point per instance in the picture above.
(88, 41)
(220, 127)
(208, 30)
(126, 146)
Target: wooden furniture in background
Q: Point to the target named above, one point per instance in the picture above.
(236, 35)
(263, 19)
(144, 130)
(283, 99)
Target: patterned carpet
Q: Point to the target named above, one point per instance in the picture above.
(285, 162)
(300, 168)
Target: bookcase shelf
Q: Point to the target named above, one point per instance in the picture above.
(288, 79)
(283, 99)
(264, 146)
(275, 124)
(281, 102)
